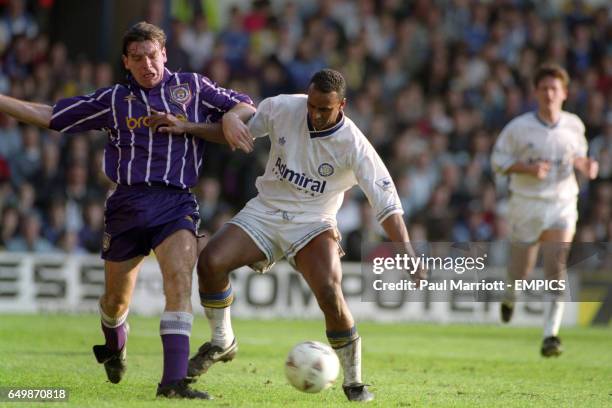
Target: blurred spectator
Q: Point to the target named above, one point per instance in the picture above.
(349, 217)
(257, 18)
(29, 238)
(76, 193)
(5, 170)
(7, 196)
(430, 83)
(15, 22)
(156, 13)
(49, 179)
(438, 216)
(368, 232)
(209, 191)
(219, 71)
(220, 218)
(601, 150)
(26, 163)
(472, 226)
(274, 79)
(8, 225)
(233, 38)
(305, 64)
(10, 137)
(68, 243)
(177, 55)
(26, 197)
(103, 75)
(55, 224)
(197, 41)
(90, 236)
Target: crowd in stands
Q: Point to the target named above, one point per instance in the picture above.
(430, 83)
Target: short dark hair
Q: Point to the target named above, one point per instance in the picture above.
(143, 31)
(329, 80)
(551, 70)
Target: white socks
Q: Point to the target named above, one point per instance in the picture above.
(350, 360)
(112, 322)
(220, 323)
(553, 314)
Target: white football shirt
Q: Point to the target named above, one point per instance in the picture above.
(528, 139)
(308, 171)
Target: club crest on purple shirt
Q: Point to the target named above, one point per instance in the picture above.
(180, 93)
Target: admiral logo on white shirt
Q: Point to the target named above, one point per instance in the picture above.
(300, 179)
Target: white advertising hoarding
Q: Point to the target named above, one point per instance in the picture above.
(72, 284)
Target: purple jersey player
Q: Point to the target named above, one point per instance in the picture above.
(151, 207)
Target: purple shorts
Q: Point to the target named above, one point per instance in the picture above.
(138, 218)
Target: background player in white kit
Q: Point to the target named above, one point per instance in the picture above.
(317, 153)
(540, 150)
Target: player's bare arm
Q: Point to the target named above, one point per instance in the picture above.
(168, 123)
(539, 169)
(212, 132)
(587, 166)
(36, 114)
(395, 228)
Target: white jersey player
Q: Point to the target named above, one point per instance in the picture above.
(540, 150)
(306, 176)
(317, 153)
(546, 200)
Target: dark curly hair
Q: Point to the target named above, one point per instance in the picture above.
(328, 80)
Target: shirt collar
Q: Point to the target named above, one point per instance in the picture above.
(325, 132)
(543, 123)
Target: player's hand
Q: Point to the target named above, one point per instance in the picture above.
(540, 169)
(419, 275)
(168, 123)
(405, 248)
(237, 133)
(589, 167)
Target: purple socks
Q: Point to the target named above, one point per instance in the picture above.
(175, 329)
(115, 330)
(115, 336)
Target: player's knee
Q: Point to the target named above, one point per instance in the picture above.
(211, 263)
(114, 305)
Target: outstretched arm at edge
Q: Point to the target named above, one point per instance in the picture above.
(36, 114)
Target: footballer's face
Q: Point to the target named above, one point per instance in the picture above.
(324, 108)
(145, 60)
(550, 93)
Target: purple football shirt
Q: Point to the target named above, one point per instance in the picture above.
(135, 153)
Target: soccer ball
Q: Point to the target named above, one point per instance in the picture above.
(312, 366)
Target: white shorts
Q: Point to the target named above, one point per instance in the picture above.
(281, 234)
(529, 217)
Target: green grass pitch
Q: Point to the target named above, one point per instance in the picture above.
(408, 365)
